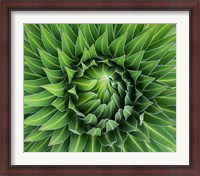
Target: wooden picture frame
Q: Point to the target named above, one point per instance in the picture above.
(7, 6)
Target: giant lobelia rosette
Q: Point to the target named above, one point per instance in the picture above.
(99, 87)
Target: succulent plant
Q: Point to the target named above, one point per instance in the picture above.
(99, 87)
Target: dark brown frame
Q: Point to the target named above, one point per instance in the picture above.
(7, 6)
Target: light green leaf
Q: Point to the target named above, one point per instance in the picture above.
(70, 74)
(62, 147)
(135, 145)
(56, 29)
(119, 61)
(48, 60)
(142, 134)
(56, 89)
(67, 45)
(84, 84)
(35, 42)
(40, 146)
(59, 136)
(101, 44)
(30, 109)
(92, 145)
(161, 71)
(77, 143)
(157, 53)
(39, 99)
(35, 65)
(50, 42)
(81, 44)
(129, 125)
(133, 61)
(107, 139)
(64, 60)
(90, 119)
(37, 136)
(117, 46)
(54, 76)
(40, 117)
(58, 120)
(94, 132)
(111, 125)
(159, 134)
(153, 90)
(34, 86)
(121, 137)
(69, 31)
(60, 103)
(76, 126)
(136, 44)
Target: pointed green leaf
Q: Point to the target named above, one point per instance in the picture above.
(29, 75)
(35, 65)
(56, 89)
(142, 134)
(148, 66)
(69, 31)
(111, 125)
(59, 136)
(107, 139)
(58, 120)
(62, 147)
(60, 103)
(28, 50)
(54, 76)
(40, 117)
(35, 42)
(48, 60)
(56, 29)
(142, 104)
(157, 53)
(84, 84)
(30, 109)
(136, 44)
(135, 145)
(39, 99)
(160, 135)
(68, 46)
(162, 31)
(119, 61)
(157, 119)
(133, 61)
(94, 132)
(117, 46)
(40, 146)
(50, 42)
(77, 143)
(92, 145)
(37, 136)
(90, 119)
(81, 44)
(34, 86)
(64, 60)
(161, 71)
(121, 138)
(129, 125)
(153, 90)
(101, 44)
(144, 81)
(76, 126)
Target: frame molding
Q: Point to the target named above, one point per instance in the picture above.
(7, 6)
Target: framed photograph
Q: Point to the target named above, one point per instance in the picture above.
(100, 87)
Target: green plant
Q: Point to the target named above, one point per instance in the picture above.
(99, 87)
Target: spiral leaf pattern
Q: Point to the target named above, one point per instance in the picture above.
(99, 87)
